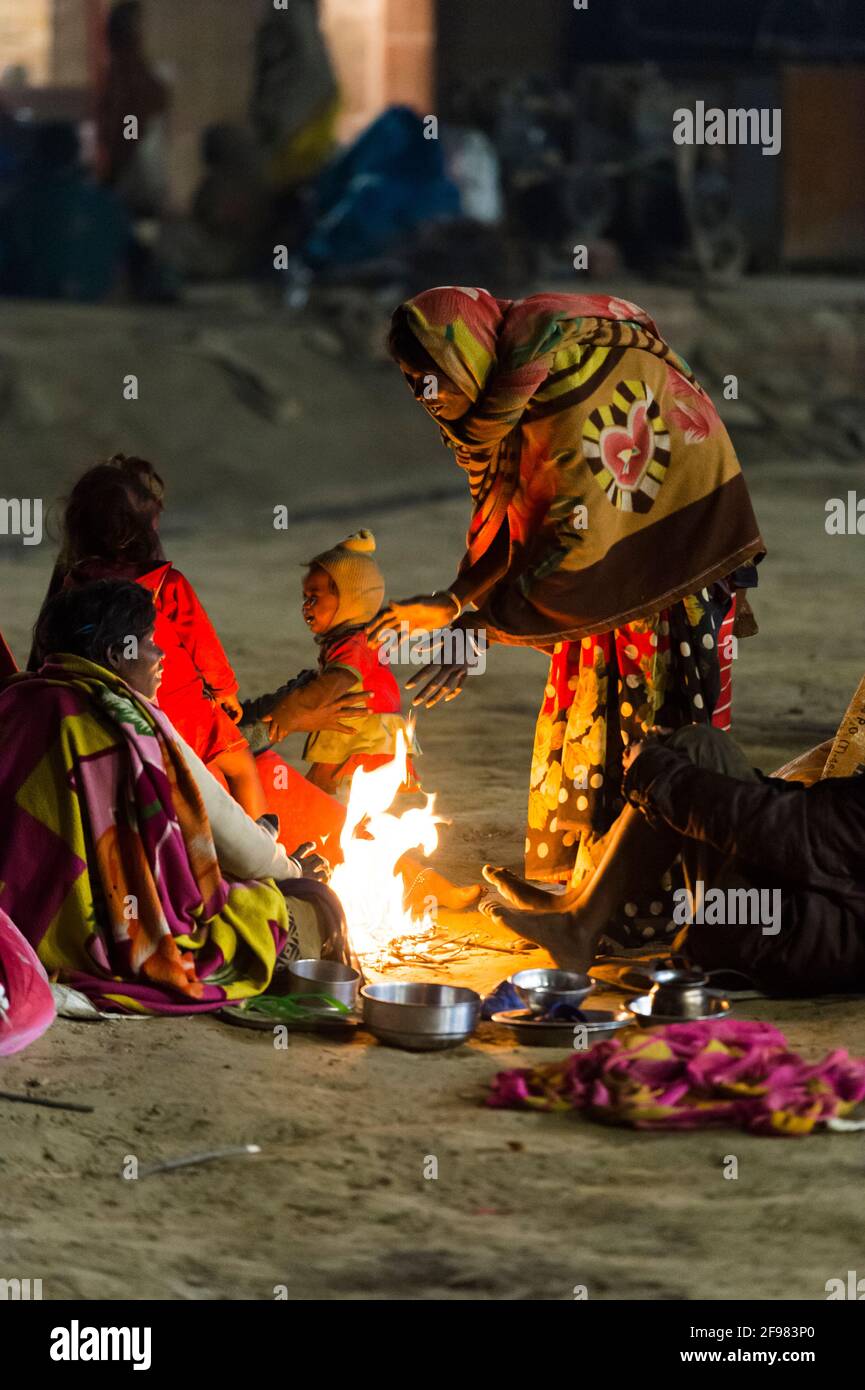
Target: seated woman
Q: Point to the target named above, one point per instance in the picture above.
(774, 869)
(124, 863)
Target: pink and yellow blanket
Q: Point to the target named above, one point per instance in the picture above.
(692, 1075)
(107, 864)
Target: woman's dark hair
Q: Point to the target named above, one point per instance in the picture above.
(111, 515)
(404, 347)
(93, 619)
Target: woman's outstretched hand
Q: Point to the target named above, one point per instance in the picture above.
(440, 680)
(423, 613)
(312, 865)
(295, 715)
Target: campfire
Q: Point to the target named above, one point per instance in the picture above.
(373, 841)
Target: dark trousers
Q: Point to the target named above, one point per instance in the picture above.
(820, 947)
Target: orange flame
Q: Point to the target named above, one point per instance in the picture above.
(366, 882)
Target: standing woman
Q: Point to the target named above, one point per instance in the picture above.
(611, 527)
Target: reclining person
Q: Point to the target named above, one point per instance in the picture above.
(800, 847)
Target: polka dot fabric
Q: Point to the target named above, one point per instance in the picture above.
(602, 694)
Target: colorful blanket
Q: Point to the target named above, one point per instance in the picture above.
(107, 864)
(692, 1075)
(593, 440)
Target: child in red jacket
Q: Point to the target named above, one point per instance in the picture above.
(343, 590)
(111, 532)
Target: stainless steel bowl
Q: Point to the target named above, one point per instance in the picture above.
(541, 989)
(420, 1018)
(693, 1009)
(324, 977)
(679, 1003)
(679, 993)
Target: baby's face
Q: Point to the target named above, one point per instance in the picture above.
(320, 600)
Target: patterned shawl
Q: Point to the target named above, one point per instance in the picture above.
(107, 864)
(583, 429)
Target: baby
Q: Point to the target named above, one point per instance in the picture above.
(343, 589)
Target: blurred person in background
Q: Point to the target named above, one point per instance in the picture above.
(132, 163)
(132, 158)
(62, 236)
(295, 97)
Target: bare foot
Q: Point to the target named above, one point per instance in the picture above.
(519, 893)
(569, 941)
(423, 882)
(454, 895)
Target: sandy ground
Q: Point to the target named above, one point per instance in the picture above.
(336, 1205)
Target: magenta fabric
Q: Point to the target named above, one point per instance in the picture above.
(692, 1075)
(26, 1005)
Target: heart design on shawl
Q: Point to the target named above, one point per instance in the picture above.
(627, 446)
(626, 450)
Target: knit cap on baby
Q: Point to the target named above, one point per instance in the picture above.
(359, 581)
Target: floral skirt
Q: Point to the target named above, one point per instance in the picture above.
(602, 694)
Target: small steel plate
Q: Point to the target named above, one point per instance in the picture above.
(560, 1032)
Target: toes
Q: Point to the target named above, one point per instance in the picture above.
(509, 917)
(491, 873)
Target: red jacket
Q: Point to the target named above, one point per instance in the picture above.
(195, 668)
(187, 636)
(354, 652)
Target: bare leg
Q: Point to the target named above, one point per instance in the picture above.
(519, 893)
(237, 766)
(635, 857)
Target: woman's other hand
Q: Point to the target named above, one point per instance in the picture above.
(295, 715)
(312, 865)
(438, 681)
(231, 705)
(424, 613)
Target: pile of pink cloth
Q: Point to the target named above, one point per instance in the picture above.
(26, 1003)
(690, 1075)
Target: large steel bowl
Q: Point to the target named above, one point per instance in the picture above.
(324, 977)
(541, 989)
(420, 1018)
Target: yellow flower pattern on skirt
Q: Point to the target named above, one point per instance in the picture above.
(601, 694)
